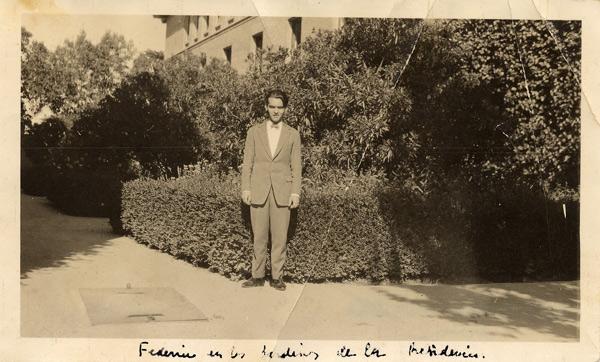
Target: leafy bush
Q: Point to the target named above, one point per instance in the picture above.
(529, 76)
(335, 235)
(519, 234)
(41, 147)
(84, 192)
(36, 180)
(41, 140)
(136, 124)
(192, 217)
(358, 228)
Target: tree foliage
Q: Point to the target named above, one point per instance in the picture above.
(75, 76)
(35, 73)
(137, 124)
(533, 69)
(150, 61)
(491, 101)
(423, 101)
(43, 140)
(428, 102)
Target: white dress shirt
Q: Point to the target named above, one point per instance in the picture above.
(273, 133)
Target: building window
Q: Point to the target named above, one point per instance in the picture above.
(258, 41)
(296, 27)
(227, 52)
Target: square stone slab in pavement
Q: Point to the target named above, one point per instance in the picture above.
(134, 305)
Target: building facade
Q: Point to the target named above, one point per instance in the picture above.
(233, 38)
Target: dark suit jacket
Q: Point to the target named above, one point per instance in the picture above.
(283, 171)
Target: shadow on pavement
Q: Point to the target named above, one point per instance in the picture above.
(50, 238)
(549, 308)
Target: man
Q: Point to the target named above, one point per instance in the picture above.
(271, 175)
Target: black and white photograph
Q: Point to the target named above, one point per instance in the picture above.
(295, 177)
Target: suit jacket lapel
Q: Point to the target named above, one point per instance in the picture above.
(283, 137)
(264, 140)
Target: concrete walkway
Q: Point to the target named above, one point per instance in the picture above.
(61, 254)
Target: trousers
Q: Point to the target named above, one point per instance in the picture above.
(265, 218)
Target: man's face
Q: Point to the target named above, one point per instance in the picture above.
(276, 109)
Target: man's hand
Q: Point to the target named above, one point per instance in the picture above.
(294, 201)
(246, 197)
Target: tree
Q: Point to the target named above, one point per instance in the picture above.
(86, 73)
(183, 75)
(492, 101)
(379, 42)
(35, 77)
(43, 139)
(532, 69)
(136, 123)
(150, 61)
(77, 75)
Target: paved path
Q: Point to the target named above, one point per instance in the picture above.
(61, 254)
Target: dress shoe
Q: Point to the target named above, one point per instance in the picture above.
(277, 284)
(254, 282)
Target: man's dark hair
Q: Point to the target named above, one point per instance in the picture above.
(277, 93)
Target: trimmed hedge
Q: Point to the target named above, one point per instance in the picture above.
(83, 192)
(362, 229)
(335, 235)
(36, 180)
(78, 192)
